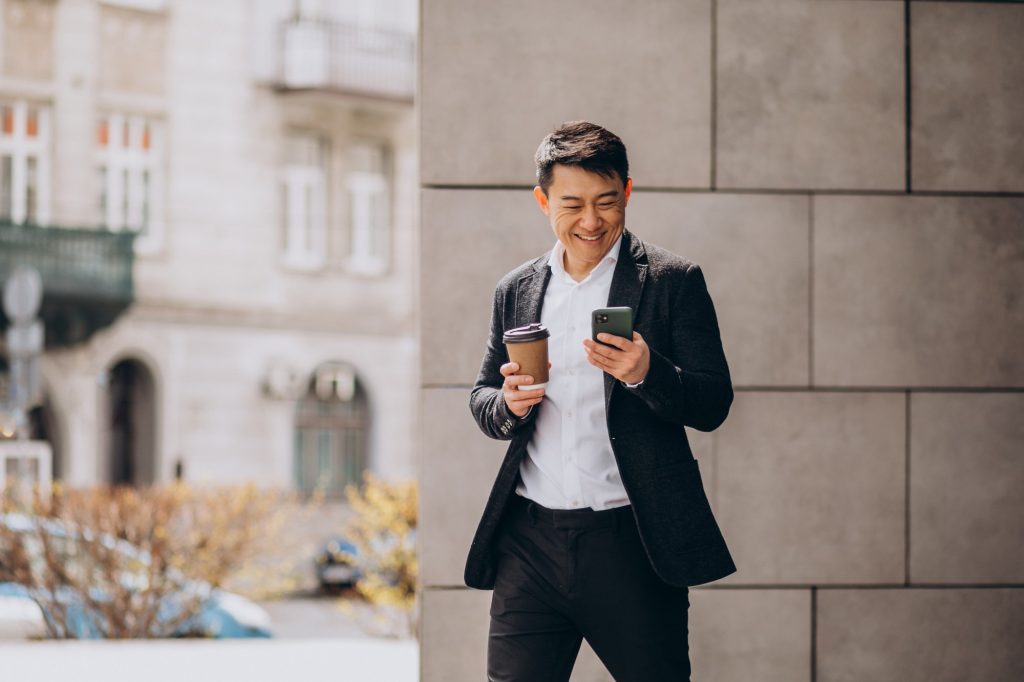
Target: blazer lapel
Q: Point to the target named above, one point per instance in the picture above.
(530, 292)
(627, 286)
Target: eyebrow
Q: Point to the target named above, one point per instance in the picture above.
(610, 193)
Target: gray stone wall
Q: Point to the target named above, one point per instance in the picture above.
(850, 176)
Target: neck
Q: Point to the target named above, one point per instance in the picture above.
(577, 272)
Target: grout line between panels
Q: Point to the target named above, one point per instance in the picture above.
(714, 93)
(906, 491)
(770, 191)
(810, 291)
(907, 95)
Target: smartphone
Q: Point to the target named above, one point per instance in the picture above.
(617, 321)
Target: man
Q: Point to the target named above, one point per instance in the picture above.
(598, 522)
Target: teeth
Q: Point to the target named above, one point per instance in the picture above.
(589, 239)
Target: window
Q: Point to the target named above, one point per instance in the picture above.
(24, 162)
(331, 432)
(369, 200)
(129, 156)
(305, 202)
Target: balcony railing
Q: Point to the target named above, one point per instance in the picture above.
(324, 55)
(86, 273)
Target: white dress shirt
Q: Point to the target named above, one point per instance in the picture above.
(569, 462)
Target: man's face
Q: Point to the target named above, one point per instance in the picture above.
(587, 213)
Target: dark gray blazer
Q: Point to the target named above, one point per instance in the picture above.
(688, 384)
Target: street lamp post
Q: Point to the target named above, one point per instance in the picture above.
(23, 293)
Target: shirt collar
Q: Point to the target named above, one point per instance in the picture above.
(556, 260)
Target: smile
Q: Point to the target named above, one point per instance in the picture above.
(588, 239)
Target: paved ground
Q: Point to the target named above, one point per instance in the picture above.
(280, 660)
(314, 616)
(317, 636)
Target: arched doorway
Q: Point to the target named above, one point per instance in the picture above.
(131, 442)
(331, 431)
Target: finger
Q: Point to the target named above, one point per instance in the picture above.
(619, 362)
(518, 380)
(603, 351)
(514, 381)
(516, 393)
(521, 409)
(597, 360)
(617, 341)
(604, 366)
(509, 368)
(523, 400)
(637, 337)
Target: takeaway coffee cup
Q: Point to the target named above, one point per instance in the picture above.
(528, 346)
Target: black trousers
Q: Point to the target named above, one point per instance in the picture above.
(566, 575)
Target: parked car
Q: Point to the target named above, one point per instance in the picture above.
(23, 615)
(339, 564)
(20, 615)
(336, 565)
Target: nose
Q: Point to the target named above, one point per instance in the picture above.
(591, 218)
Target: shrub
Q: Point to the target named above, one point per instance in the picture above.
(126, 562)
(383, 529)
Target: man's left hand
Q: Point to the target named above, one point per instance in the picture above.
(627, 360)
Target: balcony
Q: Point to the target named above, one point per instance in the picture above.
(325, 56)
(87, 276)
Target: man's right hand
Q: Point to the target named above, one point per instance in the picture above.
(519, 402)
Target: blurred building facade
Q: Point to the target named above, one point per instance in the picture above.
(246, 170)
(850, 176)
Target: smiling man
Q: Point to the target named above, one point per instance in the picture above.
(598, 524)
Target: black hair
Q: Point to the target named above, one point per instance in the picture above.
(583, 144)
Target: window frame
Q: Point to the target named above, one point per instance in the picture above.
(369, 239)
(305, 208)
(20, 147)
(126, 201)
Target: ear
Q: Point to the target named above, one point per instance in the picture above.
(629, 188)
(542, 200)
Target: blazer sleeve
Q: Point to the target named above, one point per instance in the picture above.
(692, 387)
(486, 401)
